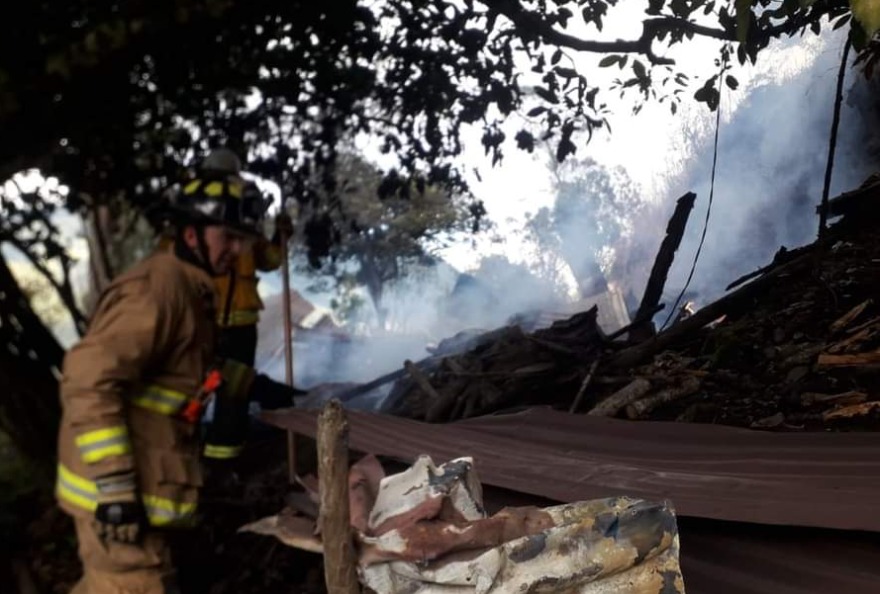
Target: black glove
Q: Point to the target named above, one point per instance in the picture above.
(271, 394)
(119, 516)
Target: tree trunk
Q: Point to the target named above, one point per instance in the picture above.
(100, 268)
(371, 276)
(30, 363)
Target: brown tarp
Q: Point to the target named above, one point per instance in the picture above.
(788, 513)
(828, 480)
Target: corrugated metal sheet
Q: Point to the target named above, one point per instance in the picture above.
(827, 480)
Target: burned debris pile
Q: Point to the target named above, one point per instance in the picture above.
(514, 368)
(794, 346)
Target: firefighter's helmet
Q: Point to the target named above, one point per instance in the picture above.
(220, 196)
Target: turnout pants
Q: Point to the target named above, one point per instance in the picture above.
(115, 568)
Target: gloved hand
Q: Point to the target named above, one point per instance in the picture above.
(271, 394)
(119, 516)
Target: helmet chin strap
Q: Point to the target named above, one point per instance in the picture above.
(198, 257)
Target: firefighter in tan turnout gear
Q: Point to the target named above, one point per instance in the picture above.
(134, 387)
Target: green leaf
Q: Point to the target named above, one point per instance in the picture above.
(841, 22)
(731, 82)
(867, 12)
(546, 95)
(608, 61)
(639, 69)
(557, 55)
(565, 72)
(743, 18)
(536, 111)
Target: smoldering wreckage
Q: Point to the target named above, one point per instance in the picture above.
(752, 466)
(735, 451)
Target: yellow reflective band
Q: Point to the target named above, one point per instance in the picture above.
(96, 445)
(242, 317)
(162, 512)
(192, 187)
(83, 493)
(160, 400)
(76, 490)
(236, 377)
(236, 189)
(214, 189)
(219, 452)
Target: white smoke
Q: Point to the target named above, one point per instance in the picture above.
(772, 154)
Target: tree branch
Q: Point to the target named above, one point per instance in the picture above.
(64, 290)
(651, 29)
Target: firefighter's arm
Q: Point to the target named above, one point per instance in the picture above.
(244, 383)
(271, 394)
(127, 332)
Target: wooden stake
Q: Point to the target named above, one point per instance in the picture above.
(288, 348)
(340, 573)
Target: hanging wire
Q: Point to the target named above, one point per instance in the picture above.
(674, 310)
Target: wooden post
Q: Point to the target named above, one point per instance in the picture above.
(288, 348)
(665, 256)
(340, 573)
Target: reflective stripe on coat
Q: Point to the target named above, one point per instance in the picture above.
(147, 350)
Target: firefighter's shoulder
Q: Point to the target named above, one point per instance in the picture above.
(162, 277)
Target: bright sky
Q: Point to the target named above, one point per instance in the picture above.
(648, 145)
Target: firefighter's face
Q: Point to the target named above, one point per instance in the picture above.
(222, 244)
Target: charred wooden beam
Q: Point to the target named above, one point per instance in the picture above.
(622, 398)
(662, 263)
(782, 256)
(636, 354)
(642, 407)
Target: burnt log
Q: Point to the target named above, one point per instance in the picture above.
(622, 398)
(662, 263)
(644, 406)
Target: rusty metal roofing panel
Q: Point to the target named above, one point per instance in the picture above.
(726, 558)
(827, 480)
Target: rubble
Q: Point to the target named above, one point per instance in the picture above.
(428, 532)
(798, 341)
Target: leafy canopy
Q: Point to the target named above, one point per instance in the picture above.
(115, 98)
